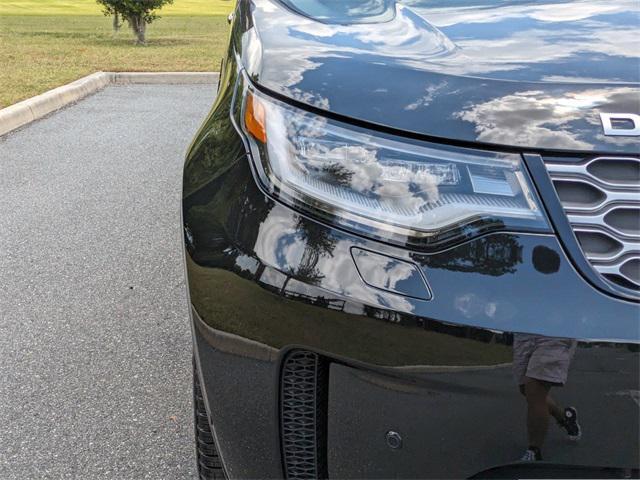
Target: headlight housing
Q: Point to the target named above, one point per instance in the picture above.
(391, 188)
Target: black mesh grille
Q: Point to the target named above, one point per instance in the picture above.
(303, 415)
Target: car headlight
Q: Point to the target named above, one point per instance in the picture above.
(388, 187)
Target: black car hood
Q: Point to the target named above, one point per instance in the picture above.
(532, 75)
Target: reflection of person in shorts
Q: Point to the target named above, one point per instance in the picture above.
(540, 363)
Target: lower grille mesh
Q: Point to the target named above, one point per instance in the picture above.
(303, 416)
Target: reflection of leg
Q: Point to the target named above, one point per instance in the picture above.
(536, 393)
(554, 410)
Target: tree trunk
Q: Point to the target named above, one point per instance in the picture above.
(139, 27)
(142, 32)
(116, 22)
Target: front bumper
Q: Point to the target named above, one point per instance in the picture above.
(265, 281)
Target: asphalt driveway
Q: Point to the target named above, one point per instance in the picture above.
(95, 347)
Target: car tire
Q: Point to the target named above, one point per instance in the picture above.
(209, 464)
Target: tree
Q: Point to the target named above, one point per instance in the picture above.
(137, 13)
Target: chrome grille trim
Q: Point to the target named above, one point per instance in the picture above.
(612, 197)
(593, 220)
(626, 248)
(581, 170)
(597, 220)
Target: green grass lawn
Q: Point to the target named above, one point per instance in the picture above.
(90, 7)
(47, 43)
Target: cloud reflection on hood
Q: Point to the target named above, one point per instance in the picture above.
(435, 58)
(536, 117)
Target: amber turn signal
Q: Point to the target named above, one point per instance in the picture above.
(255, 118)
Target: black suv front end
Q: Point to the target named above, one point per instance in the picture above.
(358, 280)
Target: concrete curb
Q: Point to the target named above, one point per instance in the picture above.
(25, 112)
(190, 78)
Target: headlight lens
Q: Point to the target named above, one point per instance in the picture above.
(391, 188)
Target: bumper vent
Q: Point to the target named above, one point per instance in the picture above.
(303, 415)
(601, 197)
